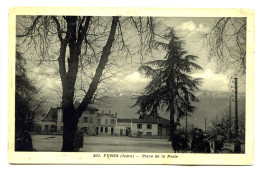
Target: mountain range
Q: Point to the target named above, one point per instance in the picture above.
(211, 104)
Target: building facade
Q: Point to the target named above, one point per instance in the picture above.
(53, 121)
(144, 127)
(106, 124)
(49, 121)
(88, 121)
(124, 127)
(94, 123)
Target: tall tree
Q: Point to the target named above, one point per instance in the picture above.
(82, 41)
(171, 85)
(227, 43)
(27, 98)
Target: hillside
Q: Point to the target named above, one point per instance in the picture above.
(210, 106)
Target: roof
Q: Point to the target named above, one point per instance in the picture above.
(152, 120)
(163, 121)
(89, 108)
(51, 116)
(124, 120)
(105, 114)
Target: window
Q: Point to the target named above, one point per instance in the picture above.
(46, 128)
(101, 129)
(148, 133)
(99, 121)
(112, 121)
(53, 128)
(139, 126)
(106, 121)
(61, 128)
(85, 119)
(91, 120)
(106, 129)
(149, 126)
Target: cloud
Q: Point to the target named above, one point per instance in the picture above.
(212, 81)
(191, 27)
(134, 81)
(136, 76)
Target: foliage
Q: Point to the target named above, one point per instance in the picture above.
(171, 85)
(223, 119)
(82, 45)
(227, 43)
(228, 123)
(27, 103)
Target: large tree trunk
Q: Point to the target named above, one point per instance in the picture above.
(70, 118)
(70, 114)
(70, 123)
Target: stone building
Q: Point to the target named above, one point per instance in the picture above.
(95, 123)
(106, 124)
(88, 121)
(124, 127)
(149, 126)
(53, 121)
(49, 122)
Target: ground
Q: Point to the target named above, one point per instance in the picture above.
(108, 144)
(104, 144)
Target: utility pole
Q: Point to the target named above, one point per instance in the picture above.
(230, 120)
(186, 122)
(205, 124)
(236, 110)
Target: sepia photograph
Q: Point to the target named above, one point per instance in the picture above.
(117, 85)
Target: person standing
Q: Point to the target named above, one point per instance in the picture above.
(219, 138)
(78, 141)
(197, 141)
(176, 141)
(237, 147)
(24, 142)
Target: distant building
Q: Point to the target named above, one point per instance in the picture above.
(106, 124)
(124, 127)
(95, 123)
(150, 126)
(49, 121)
(88, 121)
(53, 120)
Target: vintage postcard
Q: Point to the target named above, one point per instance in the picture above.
(131, 86)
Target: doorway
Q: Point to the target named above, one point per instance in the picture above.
(112, 131)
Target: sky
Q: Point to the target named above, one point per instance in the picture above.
(188, 29)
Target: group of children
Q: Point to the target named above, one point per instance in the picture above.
(199, 142)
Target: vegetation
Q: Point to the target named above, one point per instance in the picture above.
(78, 44)
(27, 98)
(227, 43)
(171, 85)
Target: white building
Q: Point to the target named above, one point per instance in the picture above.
(124, 127)
(144, 127)
(95, 123)
(106, 124)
